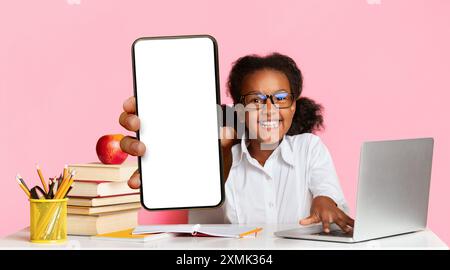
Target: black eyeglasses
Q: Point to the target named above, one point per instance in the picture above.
(281, 99)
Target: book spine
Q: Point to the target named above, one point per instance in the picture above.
(99, 196)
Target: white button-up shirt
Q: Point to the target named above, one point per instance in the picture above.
(281, 191)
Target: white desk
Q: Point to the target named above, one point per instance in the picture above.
(265, 240)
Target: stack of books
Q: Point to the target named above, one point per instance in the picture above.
(100, 201)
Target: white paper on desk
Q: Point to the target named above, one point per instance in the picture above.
(182, 228)
(231, 231)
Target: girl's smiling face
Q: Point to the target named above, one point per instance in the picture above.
(268, 124)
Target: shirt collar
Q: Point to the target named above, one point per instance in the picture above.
(285, 147)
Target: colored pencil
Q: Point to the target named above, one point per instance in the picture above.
(42, 178)
(23, 188)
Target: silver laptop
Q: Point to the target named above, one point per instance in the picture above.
(393, 190)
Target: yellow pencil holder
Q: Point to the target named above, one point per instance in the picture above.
(48, 221)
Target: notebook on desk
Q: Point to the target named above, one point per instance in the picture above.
(128, 236)
(200, 230)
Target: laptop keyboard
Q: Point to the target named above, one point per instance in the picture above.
(336, 233)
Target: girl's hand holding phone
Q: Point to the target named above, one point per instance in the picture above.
(129, 120)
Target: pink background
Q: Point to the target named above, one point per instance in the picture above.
(379, 67)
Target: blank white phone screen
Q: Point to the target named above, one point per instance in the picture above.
(177, 94)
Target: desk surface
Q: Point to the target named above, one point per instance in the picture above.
(265, 240)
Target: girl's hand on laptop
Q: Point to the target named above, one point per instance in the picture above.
(325, 210)
(129, 120)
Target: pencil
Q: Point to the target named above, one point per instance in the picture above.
(23, 182)
(65, 171)
(69, 185)
(255, 231)
(59, 179)
(65, 186)
(67, 193)
(23, 188)
(42, 178)
(61, 186)
(55, 185)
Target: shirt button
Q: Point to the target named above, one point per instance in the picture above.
(271, 204)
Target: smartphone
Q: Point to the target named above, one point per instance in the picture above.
(176, 85)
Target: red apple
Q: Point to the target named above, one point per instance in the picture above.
(109, 151)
